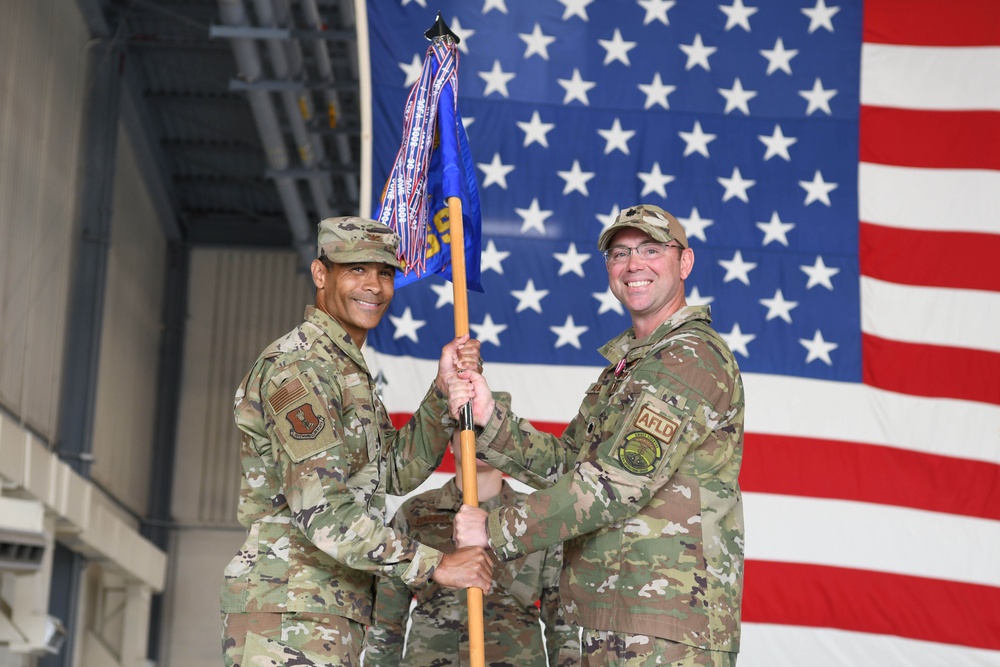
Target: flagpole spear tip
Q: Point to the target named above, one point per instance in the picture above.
(440, 30)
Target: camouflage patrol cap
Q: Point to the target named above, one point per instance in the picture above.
(653, 220)
(352, 239)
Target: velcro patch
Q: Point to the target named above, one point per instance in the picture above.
(305, 424)
(288, 394)
(639, 453)
(658, 424)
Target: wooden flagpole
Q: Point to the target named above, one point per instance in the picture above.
(467, 436)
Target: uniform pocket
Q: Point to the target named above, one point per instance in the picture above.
(237, 572)
(648, 440)
(302, 420)
(260, 650)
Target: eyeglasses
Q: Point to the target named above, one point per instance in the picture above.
(649, 252)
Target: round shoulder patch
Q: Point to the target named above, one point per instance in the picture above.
(639, 453)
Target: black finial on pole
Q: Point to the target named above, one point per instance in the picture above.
(441, 30)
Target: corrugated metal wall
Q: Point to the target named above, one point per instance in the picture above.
(42, 49)
(43, 59)
(239, 302)
(125, 409)
(43, 52)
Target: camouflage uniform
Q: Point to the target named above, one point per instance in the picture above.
(651, 512)
(617, 649)
(438, 635)
(319, 454)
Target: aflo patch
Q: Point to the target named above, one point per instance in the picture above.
(656, 423)
(639, 453)
(305, 424)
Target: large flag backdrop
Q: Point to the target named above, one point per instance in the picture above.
(835, 165)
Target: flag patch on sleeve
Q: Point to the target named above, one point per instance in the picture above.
(302, 421)
(287, 394)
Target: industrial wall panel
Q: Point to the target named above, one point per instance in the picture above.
(125, 409)
(42, 59)
(191, 619)
(239, 301)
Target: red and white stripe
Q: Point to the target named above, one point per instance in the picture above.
(929, 198)
(867, 512)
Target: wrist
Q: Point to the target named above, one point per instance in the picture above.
(486, 533)
(484, 418)
(440, 387)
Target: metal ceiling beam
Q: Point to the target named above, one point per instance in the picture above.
(150, 159)
(298, 108)
(233, 13)
(290, 86)
(266, 234)
(265, 32)
(322, 55)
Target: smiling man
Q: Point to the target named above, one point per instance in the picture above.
(647, 499)
(319, 453)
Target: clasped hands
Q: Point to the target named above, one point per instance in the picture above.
(470, 565)
(465, 383)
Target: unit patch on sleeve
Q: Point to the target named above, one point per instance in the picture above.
(650, 433)
(648, 438)
(639, 453)
(305, 424)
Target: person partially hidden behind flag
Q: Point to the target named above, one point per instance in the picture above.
(650, 507)
(438, 633)
(318, 454)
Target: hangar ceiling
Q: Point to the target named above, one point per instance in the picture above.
(248, 109)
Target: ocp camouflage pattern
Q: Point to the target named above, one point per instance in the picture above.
(438, 635)
(601, 647)
(267, 640)
(319, 453)
(652, 508)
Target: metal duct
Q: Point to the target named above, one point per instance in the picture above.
(233, 13)
(309, 146)
(322, 55)
(296, 71)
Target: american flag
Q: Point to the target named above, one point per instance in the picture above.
(835, 164)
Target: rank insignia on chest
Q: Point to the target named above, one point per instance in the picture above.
(306, 425)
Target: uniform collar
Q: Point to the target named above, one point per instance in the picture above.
(626, 343)
(337, 334)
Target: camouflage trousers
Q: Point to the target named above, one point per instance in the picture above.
(617, 649)
(303, 640)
